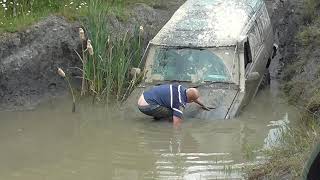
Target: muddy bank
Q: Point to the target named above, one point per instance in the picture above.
(298, 73)
(29, 59)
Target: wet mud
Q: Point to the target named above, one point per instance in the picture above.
(29, 60)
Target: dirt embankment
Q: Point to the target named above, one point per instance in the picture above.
(301, 72)
(29, 59)
(298, 29)
(299, 40)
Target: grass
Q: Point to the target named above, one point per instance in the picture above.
(16, 15)
(310, 35)
(310, 10)
(106, 69)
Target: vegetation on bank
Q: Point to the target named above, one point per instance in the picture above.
(19, 14)
(302, 88)
(107, 58)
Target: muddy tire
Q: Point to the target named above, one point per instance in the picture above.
(265, 80)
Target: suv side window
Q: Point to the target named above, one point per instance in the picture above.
(247, 54)
(255, 40)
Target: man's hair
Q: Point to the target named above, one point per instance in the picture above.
(192, 94)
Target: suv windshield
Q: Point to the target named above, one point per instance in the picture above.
(187, 64)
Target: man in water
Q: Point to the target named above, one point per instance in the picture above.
(168, 101)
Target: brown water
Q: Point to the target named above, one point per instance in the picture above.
(51, 143)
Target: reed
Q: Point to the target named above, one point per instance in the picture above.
(108, 57)
(62, 74)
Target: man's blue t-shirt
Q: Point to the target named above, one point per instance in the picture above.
(169, 95)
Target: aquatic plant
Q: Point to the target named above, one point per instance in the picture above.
(62, 74)
(108, 57)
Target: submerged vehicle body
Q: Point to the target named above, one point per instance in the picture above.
(222, 47)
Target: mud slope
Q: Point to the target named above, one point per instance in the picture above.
(29, 59)
(299, 74)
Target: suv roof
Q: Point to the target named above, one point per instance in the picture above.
(207, 23)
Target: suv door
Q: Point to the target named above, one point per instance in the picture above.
(254, 57)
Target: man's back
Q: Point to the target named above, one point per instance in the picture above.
(159, 95)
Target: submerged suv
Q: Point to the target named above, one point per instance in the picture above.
(222, 47)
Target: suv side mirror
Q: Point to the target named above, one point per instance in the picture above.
(253, 76)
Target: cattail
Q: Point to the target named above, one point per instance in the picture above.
(61, 73)
(141, 29)
(108, 41)
(135, 71)
(82, 35)
(89, 47)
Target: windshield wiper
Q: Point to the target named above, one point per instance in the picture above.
(171, 81)
(208, 83)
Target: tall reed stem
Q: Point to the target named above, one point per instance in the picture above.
(73, 97)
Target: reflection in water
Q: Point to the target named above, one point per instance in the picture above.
(52, 143)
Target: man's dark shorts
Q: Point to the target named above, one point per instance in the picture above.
(156, 111)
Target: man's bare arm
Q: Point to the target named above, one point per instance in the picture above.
(176, 121)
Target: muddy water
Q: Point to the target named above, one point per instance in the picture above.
(94, 143)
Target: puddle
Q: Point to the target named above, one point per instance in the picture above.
(52, 143)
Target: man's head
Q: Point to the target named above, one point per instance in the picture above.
(192, 94)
